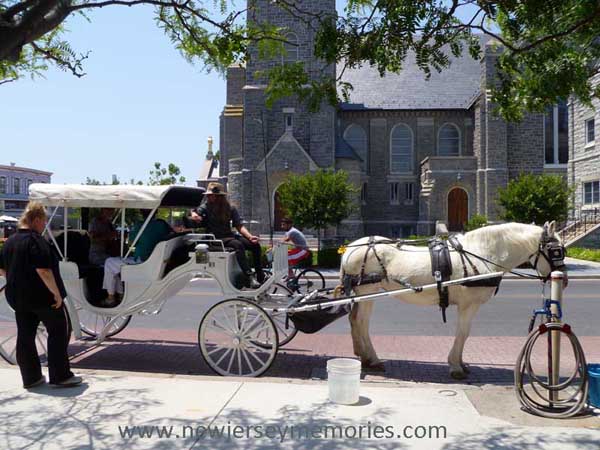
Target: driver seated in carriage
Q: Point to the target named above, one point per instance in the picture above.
(156, 230)
(218, 216)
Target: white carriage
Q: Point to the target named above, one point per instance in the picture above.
(235, 336)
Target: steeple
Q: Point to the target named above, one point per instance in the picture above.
(209, 153)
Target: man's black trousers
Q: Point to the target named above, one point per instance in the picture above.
(240, 244)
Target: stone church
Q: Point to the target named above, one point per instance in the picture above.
(418, 150)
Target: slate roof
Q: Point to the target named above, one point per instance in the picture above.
(456, 87)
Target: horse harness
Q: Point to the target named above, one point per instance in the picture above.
(441, 266)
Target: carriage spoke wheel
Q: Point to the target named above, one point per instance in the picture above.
(309, 280)
(279, 297)
(8, 335)
(92, 323)
(227, 337)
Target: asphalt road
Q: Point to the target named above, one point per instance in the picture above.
(507, 314)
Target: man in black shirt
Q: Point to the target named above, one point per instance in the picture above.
(35, 291)
(218, 216)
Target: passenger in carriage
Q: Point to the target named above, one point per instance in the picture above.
(102, 235)
(218, 216)
(155, 232)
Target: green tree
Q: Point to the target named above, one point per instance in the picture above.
(551, 47)
(536, 198)
(317, 200)
(165, 175)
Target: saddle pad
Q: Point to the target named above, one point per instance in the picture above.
(440, 258)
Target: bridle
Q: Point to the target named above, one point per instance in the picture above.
(552, 251)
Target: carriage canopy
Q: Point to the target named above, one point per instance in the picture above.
(115, 196)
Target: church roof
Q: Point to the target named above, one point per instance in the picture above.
(209, 169)
(455, 87)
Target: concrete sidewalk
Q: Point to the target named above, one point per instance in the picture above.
(577, 269)
(94, 416)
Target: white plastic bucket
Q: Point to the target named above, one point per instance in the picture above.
(343, 379)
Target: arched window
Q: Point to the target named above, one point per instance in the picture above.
(401, 149)
(290, 48)
(356, 137)
(448, 140)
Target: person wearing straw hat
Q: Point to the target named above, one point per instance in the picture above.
(218, 217)
(34, 289)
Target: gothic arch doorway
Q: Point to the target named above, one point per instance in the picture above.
(278, 212)
(458, 209)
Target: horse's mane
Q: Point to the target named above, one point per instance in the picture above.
(503, 239)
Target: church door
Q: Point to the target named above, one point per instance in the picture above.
(458, 209)
(279, 213)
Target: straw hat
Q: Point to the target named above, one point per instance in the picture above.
(215, 188)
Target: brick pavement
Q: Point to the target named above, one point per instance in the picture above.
(407, 358)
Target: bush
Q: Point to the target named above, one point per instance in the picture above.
(476, 221)
(329, 258)
(584, 253)
(535, 198)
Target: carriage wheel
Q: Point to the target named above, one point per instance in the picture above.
(227, 336)
(8, 335)
(279, 297)
(309, 280)
(92, 323)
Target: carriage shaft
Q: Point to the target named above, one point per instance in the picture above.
(366, 297)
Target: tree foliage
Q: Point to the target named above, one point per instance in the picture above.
(550, 47)
(165, 175)
(159, 176)
(536, 198)
(317, 200)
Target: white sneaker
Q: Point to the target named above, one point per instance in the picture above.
(69, 382)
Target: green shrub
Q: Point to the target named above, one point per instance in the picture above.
(584, 253)
(535, 198)
(329, 258)
(477, 221)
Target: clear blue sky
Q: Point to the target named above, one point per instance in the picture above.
(140, 102)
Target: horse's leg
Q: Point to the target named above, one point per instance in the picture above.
(466, 312)
(356, 343)
(363, 348)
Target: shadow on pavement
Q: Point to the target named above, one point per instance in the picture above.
(184, 358)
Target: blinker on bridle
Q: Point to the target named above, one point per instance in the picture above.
(555, 253)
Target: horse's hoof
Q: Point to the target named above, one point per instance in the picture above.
(376, 367)
(466, 369)
(458, 374)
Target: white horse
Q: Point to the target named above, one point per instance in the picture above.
(508, 245)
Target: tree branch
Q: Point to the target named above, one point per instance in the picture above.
(73, 67)
(17, 8)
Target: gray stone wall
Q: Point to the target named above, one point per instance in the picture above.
(584, 159)
(379, 215)
(525, 146)
(314, 131)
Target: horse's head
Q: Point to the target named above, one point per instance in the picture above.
(550, 255)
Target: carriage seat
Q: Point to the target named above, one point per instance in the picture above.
(154, 268)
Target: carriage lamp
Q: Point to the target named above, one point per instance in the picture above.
(201, 254)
